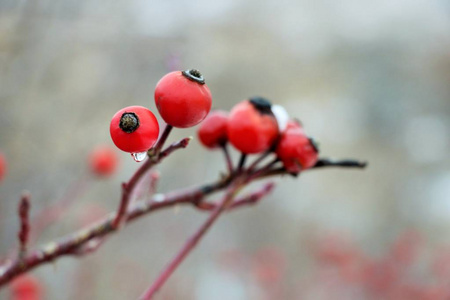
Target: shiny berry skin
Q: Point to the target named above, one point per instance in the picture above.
(103, 161)
(252, 127)
(3, 167)
(26, 287)
(134, 129)
(296, 150)
(213, 130)
(182, 98)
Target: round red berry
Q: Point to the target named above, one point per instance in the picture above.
(252, 127)
(213, 130)
(296, 150)
(134, 129)
(3, 166)
(26, 287)
(103, 161)
(182, 98)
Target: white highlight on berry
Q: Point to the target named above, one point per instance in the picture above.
(281, 115)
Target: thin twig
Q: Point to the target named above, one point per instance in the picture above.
(321, 163)
(344, 163)
(24, 232)
(183, 143)
(249, 199)
(190, 244)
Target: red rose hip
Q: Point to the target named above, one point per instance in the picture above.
(296, 150)
(252, 127)
(213, 130)
(182, 98)
(134, 129)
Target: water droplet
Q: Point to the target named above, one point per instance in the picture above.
(138, 157)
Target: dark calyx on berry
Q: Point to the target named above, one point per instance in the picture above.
(262, 105)
(194, 75)
(314, 144)
(129, 122)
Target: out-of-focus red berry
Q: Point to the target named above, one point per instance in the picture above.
(103, 161)
(336, 249)
(213, 130)
(269, 265)
(406, 247)
(182, 98)
(3, 166)
(252, 127)
(296, 150)
(134, 129)
(26, 287)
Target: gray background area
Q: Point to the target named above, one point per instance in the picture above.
(369, 79)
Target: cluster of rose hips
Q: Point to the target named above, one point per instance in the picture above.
(256, 126)
(184, 100)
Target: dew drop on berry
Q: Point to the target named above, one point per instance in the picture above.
(138, 157)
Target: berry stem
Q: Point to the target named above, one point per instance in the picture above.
(264, 169)
(155, 151)
(242, 162)
(228, 160)
(191, 243)
(258, 160)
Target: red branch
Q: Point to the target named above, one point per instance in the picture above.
(71, 244)
(89, 239)
(192, 242)
(250, 199)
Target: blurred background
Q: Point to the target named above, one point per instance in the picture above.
(368, 79)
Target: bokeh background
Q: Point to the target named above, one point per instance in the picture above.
(369, 80)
